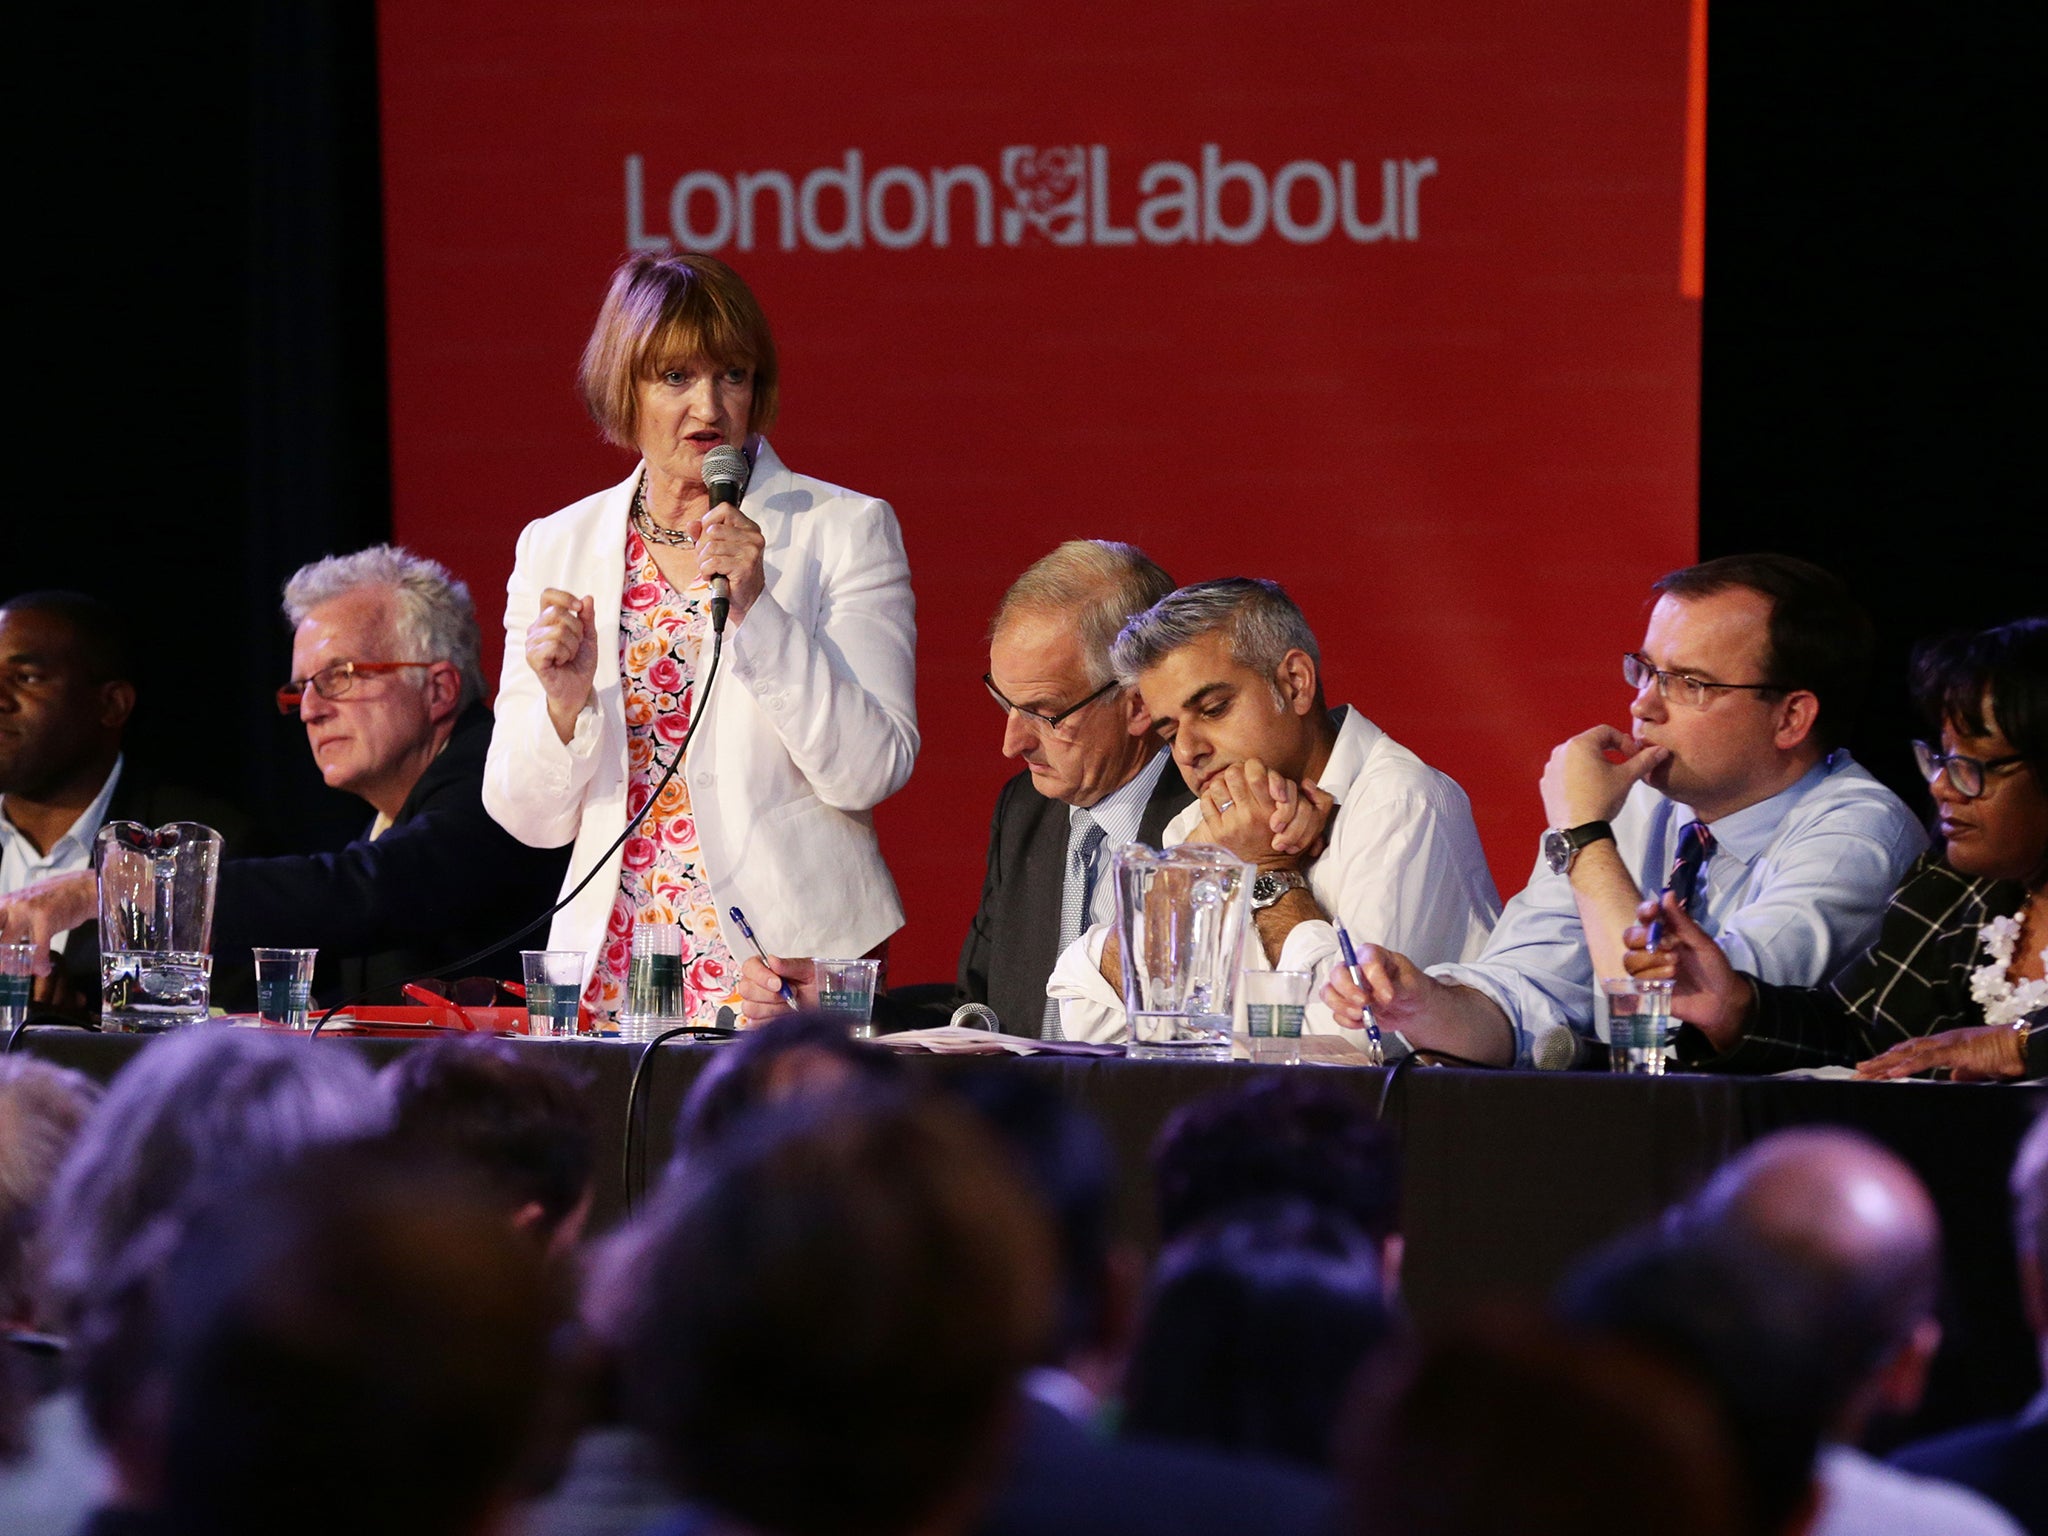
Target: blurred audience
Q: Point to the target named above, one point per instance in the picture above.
(351, 1345)
(832, 1310)
(2007, 1460)
(509, 1116)
(192, 1110)
(41, 1110)
(800, 1056)
(1860, 1227)
(1282, 1137)
(1736, 1323)
(1508, 1426)
(1254, 1326)
(1068, 1478)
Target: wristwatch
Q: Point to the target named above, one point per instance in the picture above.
(1271, 885)
(1561, 845)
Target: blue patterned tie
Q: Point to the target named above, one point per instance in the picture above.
(1695, 847)
(1077, 894)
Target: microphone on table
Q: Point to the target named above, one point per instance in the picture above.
(725, 475)
(1560, 1048)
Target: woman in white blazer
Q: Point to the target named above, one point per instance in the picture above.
(812, 719)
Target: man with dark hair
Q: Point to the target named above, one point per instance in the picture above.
(831, 1312)
(349, 1298)
(1860, 1231)
(1738, 1323)
(67, 690)
(1281, 1138)
(1231, 676)
(1726, 789)
(507, 1117)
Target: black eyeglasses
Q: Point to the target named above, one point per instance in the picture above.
(1965, 774)
(1637, 670)
(336, 682)
(1045, 722)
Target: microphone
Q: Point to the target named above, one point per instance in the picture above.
(1560, 1048)
(976, 1016)
(725, 476)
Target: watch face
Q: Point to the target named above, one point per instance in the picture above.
(1557, 851)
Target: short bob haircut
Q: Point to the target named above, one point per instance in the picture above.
(662, 311)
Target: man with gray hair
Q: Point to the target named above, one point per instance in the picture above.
(387, 679)
(1094, 775)
(1344, 825)
(1093, 778)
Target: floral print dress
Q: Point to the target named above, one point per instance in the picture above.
(661, 878)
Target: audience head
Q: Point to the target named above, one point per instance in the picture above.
(2030, 1228)
(373, 733)
(66, 691)
(1081, 734)
(1229, 671)
(1987, 695)
(1280, 1137)
(42, 1109)
(1859, 1222)
(833, 1309)
(193, 1108)
(668, 312)
(1790, 649)
(1254, 1326)
(350, 1345)
(1509, 1425)
(511, 1119)
(1738, 1321)
(798, 1056)
(1067, 1159)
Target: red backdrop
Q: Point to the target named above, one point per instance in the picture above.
(1460, 426)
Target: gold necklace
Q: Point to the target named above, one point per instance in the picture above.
(650, 530)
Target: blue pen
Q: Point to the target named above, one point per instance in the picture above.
(740, 917)
(1372, 1028)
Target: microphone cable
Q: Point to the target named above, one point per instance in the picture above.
(632, 825)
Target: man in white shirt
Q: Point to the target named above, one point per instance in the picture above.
(1730, 785)
(65, 696)
(1343, 824)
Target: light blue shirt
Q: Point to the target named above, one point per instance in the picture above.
(1118, 814)
(1793, 891)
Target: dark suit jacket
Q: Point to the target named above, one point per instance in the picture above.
(445, 880)
(1067, 1480)
(2007, 1462)
(1011, 948)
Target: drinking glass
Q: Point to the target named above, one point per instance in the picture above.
(554, 986)
(1275, 1003)
(846, 990)
(1635, 1017)
(17, 980)
(284, 986)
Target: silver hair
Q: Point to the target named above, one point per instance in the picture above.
(434, 619)
(193, 1110)
(1263, 621)
(1094, 584)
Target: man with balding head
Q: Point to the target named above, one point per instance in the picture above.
(1845, 1211)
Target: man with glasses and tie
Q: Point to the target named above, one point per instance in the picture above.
(1095, 775)
(1730, 789)
(388, 682)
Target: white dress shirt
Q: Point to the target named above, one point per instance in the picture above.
(1403, 867)
(21, 865)
(1793, 890)
(1118, 815)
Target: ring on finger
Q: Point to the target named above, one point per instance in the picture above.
(1224, 805)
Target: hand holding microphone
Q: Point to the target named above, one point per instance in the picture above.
(730, 547)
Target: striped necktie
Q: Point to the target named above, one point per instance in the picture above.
(1695, 847)
(1084, 839)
